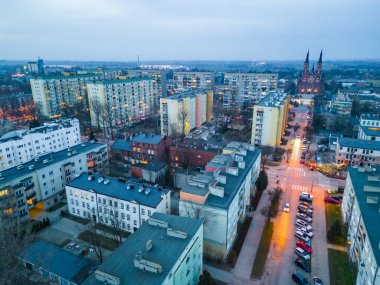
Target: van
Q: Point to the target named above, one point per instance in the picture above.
(298, 278)
(301, 253)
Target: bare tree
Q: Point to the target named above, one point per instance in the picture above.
(95, 240)
(174, 132)
(96, 109)
(198, 211)
(3, 110)
(183, 114)
(116, 219)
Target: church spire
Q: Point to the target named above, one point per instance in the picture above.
(307, 57)
(320, 58)
(312, 69)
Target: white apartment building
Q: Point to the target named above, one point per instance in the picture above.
(166, 250)
(185, 111)
(369, 128)
(158, 77)
(41, 182)
(121, 101)
(20, 146)
(52, 94)
(357, 152)
(269, 119)
(190, 80)
(245, 89)
(221, 195)
(360, 209)
(113, 202)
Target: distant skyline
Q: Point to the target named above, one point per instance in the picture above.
(119, 30)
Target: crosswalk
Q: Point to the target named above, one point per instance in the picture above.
(300, 188)
(293, 168)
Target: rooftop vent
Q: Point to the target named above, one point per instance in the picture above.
(75, 152)
(83, 144)
(146, 265)
(45, 161)
(31, 167)
(106, 181)
(157, 223)
(147, 191)
(175, 233)
(149, 245)
(69, 154)
(90, 177)
(100, 179)
(141, 188)
(371, 200)
(129, 187)
(20, 167)
(106, 278)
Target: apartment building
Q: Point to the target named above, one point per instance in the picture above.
(158, 77)
(270, 118)
(114, 202)
(187, 110)
(246, 89)
(41, 182)
(20, 146)
(341, 105)
(53, 94)
(166, 250)
(120, 101)
(369, 128)
(360, 210)
(357, 152)
(190, 80)
(105, 73)
(221, 195)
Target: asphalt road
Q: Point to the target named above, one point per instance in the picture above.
(294, 179)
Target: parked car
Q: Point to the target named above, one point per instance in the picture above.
(307, 212)
(301, 223)
(287, 207)
(300, 235)
(305, 231)
(301, 253)
(336, 197)
(332, 201)
(304, 246)
(302, 161)
(304, 217)
(303, 264)
(317, 281)
(299, 279)
(306, 204)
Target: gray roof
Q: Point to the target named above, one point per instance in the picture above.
(370, 212)
(57, 261)
(271, 99)
(362, 144)
(155, 165)
(166, 251)
(368, 116)
(147, 138)
(186, 94)
(118, 189)
(128, 80)
(124, 145)
(53, 158)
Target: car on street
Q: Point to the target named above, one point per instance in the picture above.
(301, 223)
(304, 246)
(317, 281)
(302, 236)
(299, 279)
(301, 253)
(332, 201)
(306, 196)
(305, 204)
(303, 264)
(305, 231)
(287, 207)
(304, 217)
(307, 212)
(305, 199)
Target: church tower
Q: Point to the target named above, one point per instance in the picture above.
(305, 72)
(319, 68)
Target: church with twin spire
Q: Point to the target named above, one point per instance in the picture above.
(311, 82)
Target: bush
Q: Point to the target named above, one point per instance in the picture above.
(334, 232)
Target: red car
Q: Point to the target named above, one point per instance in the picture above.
(304, 246)
(331, 200)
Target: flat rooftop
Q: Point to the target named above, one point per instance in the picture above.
(186, 94)
(362, 144)
(49, 158)
(166, 251)
(118, 189)
(273, 99)
(147, 138)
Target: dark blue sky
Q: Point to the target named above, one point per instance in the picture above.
(189, 30)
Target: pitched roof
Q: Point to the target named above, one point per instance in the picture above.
(147, 138)
(124, 145)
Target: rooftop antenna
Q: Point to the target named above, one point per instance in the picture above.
(138, 60)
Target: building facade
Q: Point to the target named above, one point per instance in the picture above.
(270, 118)
(311, 81)
(187, 110)
(190, 80)
(158, 77)
(357, 152)
(41, 182)
(119, 102)
(20, 146)
(221, 195)
(52, 95)
(369, 128)
(166, 250)
(245, 89)
(113, 202)
(360, 210)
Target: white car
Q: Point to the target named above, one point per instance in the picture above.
(303, 224)
(287, 208)
(309, 233)
(301, 253)
(302, 236)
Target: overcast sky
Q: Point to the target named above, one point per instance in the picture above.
(189, 29)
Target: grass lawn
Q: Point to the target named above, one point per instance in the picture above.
(333, 214)
(262, 251)
(109, 230)
(341, 271)
(106, 242)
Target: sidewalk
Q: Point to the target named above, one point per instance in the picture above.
(243, 267)
(218, 274)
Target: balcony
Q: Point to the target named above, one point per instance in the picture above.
(29, 186)
(30, 195)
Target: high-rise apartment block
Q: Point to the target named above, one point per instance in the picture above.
(270, 119)
(158, 77)
(41, 182)
(245, 89)
(21, 146)
(120, 101)
(36, 67)
(369, 128)
(187, 110)
(53, 94)
(190, 80)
